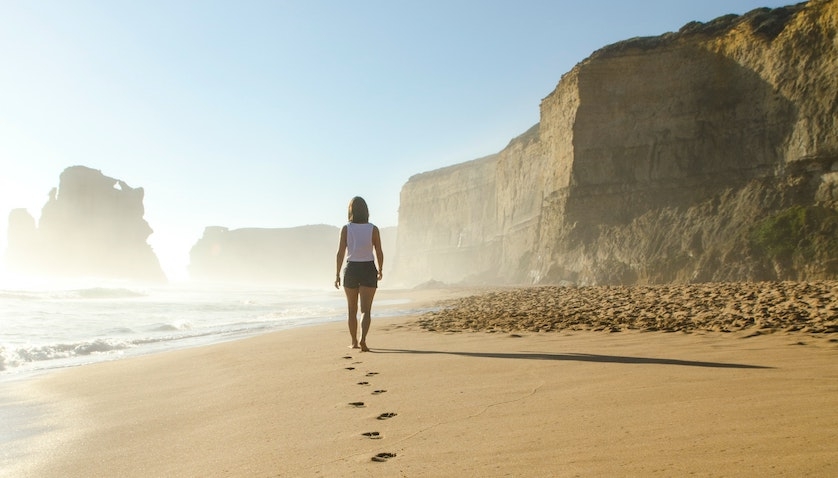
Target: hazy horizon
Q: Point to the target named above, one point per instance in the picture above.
(274, 114)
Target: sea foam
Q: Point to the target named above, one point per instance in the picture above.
(44, 328)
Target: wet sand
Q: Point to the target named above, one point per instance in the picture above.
(476, 396)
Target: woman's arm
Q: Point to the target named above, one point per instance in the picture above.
(340, 255)
(379, 254)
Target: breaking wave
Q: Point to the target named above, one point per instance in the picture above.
(87, 293)
(64, 354)
(107, 293)
(11, 357)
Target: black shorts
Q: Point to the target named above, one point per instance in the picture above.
(357, 274)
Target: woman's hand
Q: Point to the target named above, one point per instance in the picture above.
(379, 274)
(337, 282)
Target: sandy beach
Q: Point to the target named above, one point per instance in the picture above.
(461, 392)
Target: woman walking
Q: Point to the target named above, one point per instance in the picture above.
(360, 244)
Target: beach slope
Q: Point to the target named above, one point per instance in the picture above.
(299, 403)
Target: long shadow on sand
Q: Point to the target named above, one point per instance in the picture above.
(578, 358)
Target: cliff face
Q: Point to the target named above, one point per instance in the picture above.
(451, 226)
(296, 257)
(92, 226)
(673, 158)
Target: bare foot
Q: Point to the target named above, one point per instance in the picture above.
(353, 346)
(364, 347)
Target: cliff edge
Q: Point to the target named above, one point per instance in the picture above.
(707, 154)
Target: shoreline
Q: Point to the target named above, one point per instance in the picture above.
(26, 416)
(390, 302)
(288, 403)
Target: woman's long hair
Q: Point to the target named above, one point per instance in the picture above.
(358, 211)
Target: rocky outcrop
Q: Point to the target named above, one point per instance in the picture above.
(92, 226)
(294, 257)
(688, 157)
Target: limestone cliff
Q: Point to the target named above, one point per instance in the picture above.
(92, 226)
(301, 256)
(704, 155)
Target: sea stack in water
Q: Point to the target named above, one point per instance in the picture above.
(91, 226)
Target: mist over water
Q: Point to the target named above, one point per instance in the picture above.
(45, 326)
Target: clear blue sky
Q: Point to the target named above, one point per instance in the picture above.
(246, 113)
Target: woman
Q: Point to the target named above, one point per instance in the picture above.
(360, 243)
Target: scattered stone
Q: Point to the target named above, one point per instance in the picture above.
(756, 307)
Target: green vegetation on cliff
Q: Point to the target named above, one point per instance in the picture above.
(798, 233)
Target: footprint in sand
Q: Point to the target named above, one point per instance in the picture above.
(383, 457)
(370, 374)
(378, 392)
(350, 368)
(372, 435)
(347, 357)
(363, 383)
(385, 416)
(356, 404)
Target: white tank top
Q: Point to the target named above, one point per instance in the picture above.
(359, 242)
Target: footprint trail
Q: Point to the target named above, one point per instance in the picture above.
(372, 435)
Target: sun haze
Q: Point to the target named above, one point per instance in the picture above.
(274, 114)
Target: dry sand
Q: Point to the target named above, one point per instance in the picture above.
(514, 403)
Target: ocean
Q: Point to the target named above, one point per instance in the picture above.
(47, 327)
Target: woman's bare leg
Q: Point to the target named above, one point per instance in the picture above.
(352, 306)
(367, 294)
